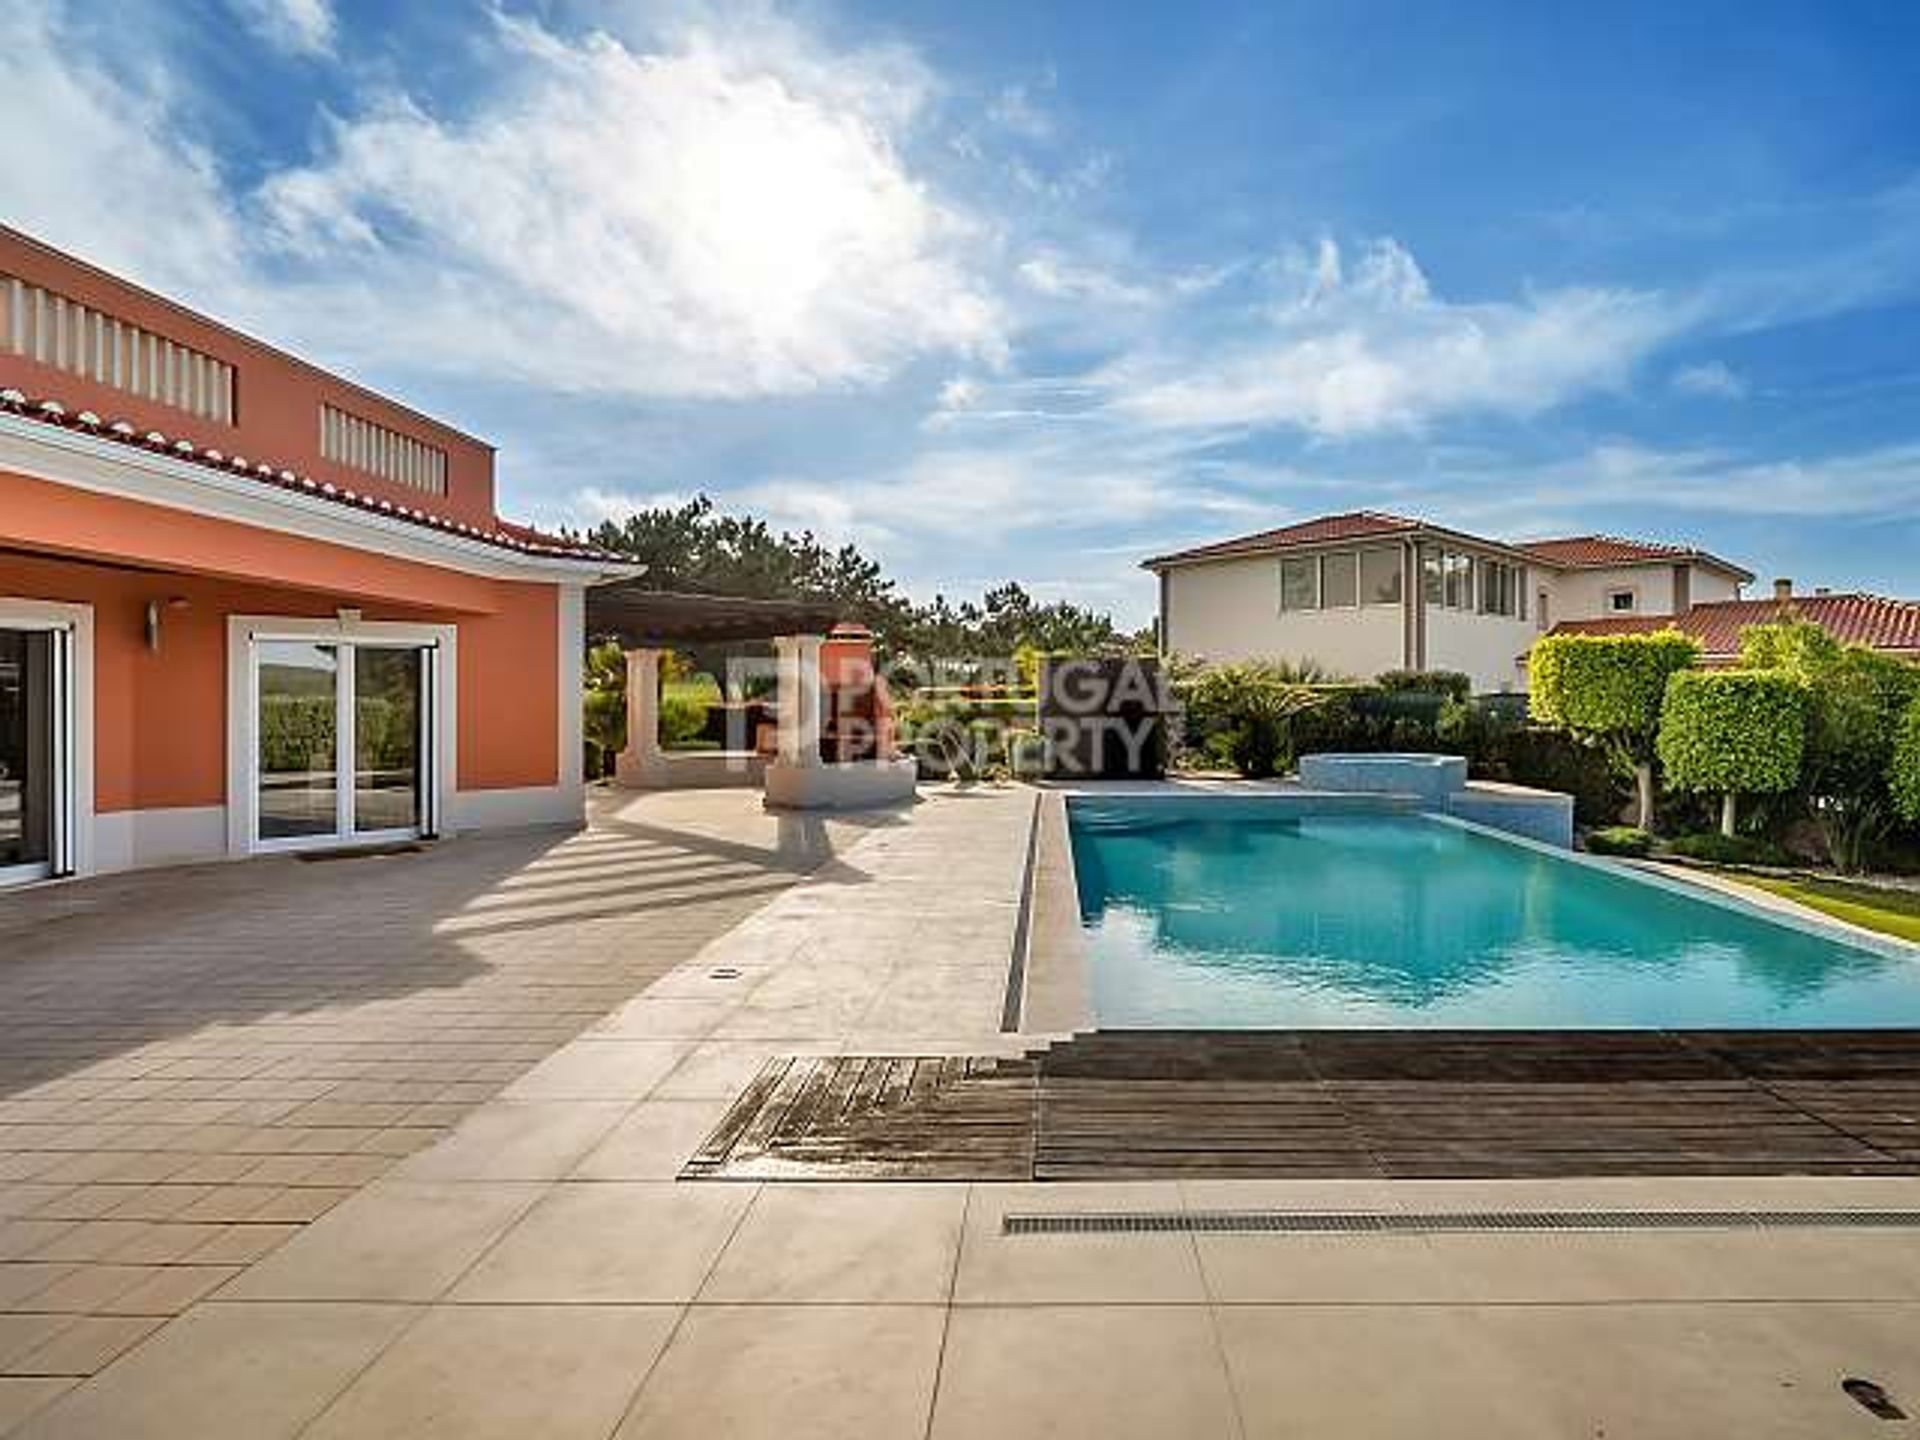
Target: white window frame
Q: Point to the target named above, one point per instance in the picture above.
(1632, 592)
(1280, 580)
(1399, 558)
(72, 800)
(439, 695)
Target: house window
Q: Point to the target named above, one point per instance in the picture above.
(49, 329)
(1380, 577)
(1459, 573)
(348, 440)
(1300, 584)
(1340, 581)
(1500, 588)
(1432, 576)
(1543, 607)
(1621, 602)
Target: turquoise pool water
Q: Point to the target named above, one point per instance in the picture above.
(1263, 919)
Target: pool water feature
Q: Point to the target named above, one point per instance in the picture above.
(1242, 914)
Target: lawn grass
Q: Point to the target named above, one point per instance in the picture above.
(1890, 912)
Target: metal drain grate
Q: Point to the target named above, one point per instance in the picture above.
(1376, 1222)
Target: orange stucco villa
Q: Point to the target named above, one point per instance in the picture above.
(247, 606)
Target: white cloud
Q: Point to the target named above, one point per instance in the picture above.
(679, 223)
(1060, 277)
(1711, 379)
(726, 215)
(1352, 348)
(298, 27)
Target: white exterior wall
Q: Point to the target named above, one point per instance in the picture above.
(1489, 648)
(1230, 610)
(1582, 594)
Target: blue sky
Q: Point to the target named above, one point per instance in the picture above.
(1030, 291)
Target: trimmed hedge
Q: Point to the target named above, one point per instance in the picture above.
(1717, 849)
(1448, 684)
(1903, 775)
(1610, 685)
(1735, 732)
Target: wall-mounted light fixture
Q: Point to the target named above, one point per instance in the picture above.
(154, 611)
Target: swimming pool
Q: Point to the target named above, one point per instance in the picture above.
(1232, 914)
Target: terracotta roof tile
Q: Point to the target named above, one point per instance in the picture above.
(1355, 525)
(1852, 617)
(508, 536)
(1576, 552)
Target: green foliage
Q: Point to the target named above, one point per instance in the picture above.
(604, 698)
(1609, 686)
(1856, 698)
(1449, 683)
(1733, 731)
(695, 547)
(1619, 840)
(1717, 849)
(1903, 771)
(297, 732)
(683, 714)
(1242, 714)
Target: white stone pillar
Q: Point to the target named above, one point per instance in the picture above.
(640, 761)
(798, 737)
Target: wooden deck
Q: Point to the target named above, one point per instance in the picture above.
(1364, 1104)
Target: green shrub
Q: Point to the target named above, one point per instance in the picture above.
(1619, 840)
(1733, 732)
(1242, 715)
(683, 715)
(1718, 849)
(1903, 771)
(1609, 689)
(1449, 684)
(1555, 760)
(1855, 700)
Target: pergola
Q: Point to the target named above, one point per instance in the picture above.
(647, 622)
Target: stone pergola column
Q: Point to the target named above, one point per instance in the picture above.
(797, 734)
(642, 757)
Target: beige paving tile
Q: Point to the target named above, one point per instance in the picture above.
(1698, 1265)
(845, 1243)
(170, 1290)
(1113, 1371)
(89, 1344)
(22, 1334)
(226, 1372)
(1376, 1372)
(240, 1244)
(810, 1372)
(89, 1288)
(517, 1140)
(1762, 1371)
(653, 1141)
(1256, 1267)
(996, 1268)
(396, 1240)
(22, 1396)
(21, 1279)
(611, 1241)
(596, 1069)
(664, 1018)
(165, 1243)
(485, 1372)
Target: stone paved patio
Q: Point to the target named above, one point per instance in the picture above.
(196, 1063)
(540, 1272)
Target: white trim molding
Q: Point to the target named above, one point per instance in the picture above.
(243, 713)
(130, 839)
(22, 613)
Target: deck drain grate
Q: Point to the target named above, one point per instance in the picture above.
(1377, 1222)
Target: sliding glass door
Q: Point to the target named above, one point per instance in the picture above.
(36, 745)
(345, 746)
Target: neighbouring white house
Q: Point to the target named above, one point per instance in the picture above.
(1366, 592)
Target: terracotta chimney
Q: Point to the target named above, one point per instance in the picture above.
(1783, 589)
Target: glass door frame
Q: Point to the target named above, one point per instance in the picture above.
(69, 631)
(436, 644)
